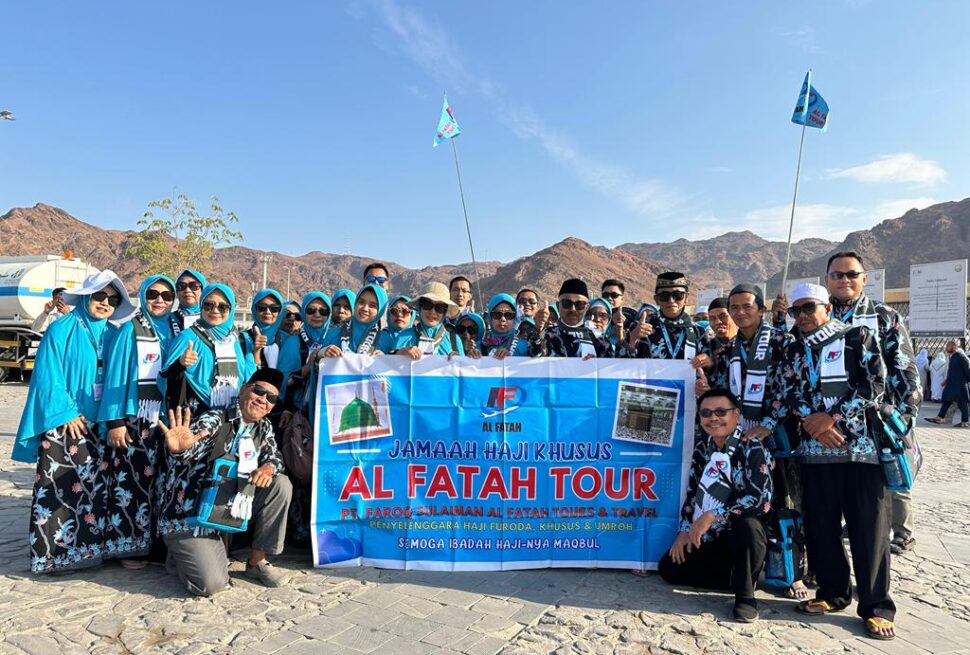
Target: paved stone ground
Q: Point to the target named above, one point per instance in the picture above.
(112, 610)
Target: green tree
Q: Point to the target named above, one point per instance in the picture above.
(174, 235)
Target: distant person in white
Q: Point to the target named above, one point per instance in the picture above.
(53, 310)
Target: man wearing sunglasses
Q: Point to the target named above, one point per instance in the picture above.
(845, 279)
(570, 336)
(722, 540)
(672, 334)
(198, 556)
(623, 319)
(376, 273)
(834, 379)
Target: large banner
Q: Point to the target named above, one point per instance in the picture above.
(485, 465)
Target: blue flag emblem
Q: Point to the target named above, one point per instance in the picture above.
(811, 110)
(447, 125)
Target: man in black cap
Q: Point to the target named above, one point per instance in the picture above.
(569, 336)
(672, 334)
(197, 554)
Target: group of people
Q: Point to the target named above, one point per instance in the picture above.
(129, 408)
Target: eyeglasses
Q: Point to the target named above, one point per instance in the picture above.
(569, 305)
(508, 316)
(152, 294)
(852, 275)
(719, 412)
(611, 295)
(599, 316)
(400, 311)
(266, 393)
(316, 311)
(293, 316)
(378, 279)
(472, 330)
(807, 308)
(182, 286)
(272, 309)
(465, 291)
(667, 296)
(219, 307)
(429, 305)
(527, 302)
(101, 296)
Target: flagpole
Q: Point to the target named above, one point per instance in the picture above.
(468, 230)
(791, 221)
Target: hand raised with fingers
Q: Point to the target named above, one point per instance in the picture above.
(260, 341)
(178, 436)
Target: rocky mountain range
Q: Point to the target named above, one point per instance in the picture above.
(936, 233)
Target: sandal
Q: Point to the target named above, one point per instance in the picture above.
(934, 419)
(133, 564)
(874, 626)
(962, 424)
(798, 591)
(816, 607)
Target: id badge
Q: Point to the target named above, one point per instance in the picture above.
(248, 457)
(426, 346)
(586, 348)
(96, 390)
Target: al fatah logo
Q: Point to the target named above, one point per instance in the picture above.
(755, 387)
(503, 400)
(151, 358)
(833, 356)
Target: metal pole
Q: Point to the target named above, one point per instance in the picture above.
(471, 247)
(266, 259)
(791, 221)
(288, 269)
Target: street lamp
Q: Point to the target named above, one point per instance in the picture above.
(266, 259)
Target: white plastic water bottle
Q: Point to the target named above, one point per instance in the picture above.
(895, 481)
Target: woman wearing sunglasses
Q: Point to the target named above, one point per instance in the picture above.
(188, 291)
(400, 319)
(264, 338)
(206, 363)
(359, 334)
(599, 317)
(59, 429)
(300, 352)
(504, 339)
(429, 335)
(130, 408)
(471, 331)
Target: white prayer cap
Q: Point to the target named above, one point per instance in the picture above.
(809, 291)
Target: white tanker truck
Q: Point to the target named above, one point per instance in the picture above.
(26, 284)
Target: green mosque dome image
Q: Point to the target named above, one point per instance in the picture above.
(358, 414)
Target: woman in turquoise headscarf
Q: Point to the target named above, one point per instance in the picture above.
(599, 314)
(429, 335)
(344, 302)
(205, 365)
(188, 289)
(359, 334)
(471, 330)
(130, 408)
(400, 319)
(264, 339)
(503, 339)
(301, 350)
(58, 429)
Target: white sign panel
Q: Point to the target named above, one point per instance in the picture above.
(875, 288)
(791, 284)
(705, 296)
(938, 299)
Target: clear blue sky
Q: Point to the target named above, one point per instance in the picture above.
(632, 121)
